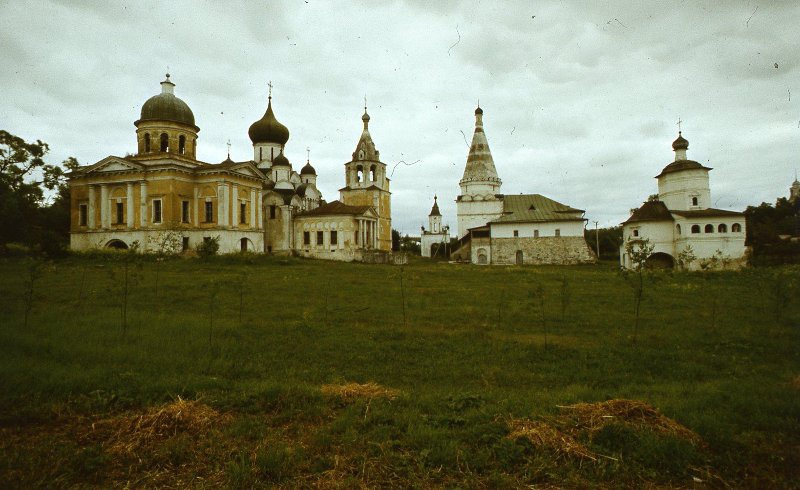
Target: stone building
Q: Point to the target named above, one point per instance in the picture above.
(260, 205)
(434, 240)
(494, 228)
(681, 220)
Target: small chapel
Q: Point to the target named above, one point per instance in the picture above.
(163, 194)
(499, 229)
(434, 240)
(680, 224)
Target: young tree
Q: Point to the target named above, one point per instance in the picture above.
(638, 251)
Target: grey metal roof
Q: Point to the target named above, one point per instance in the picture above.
(536, 208)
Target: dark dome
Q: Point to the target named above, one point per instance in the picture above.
(166, 107)
(281, 160)
(268, 129)
(308, 170)
(365, 117)
(478, 110)
(680, 143)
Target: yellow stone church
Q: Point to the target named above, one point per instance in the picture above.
(164, 195)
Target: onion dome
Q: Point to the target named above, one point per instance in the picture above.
(166, 107)
(268, 129)
(308, 169)
(281, 160)
(680, 143)
(365, 149)
(478, 111)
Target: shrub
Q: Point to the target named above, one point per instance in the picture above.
(208, 247)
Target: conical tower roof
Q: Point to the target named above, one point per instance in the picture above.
(435, 208)
(480, 164)
(365, 149)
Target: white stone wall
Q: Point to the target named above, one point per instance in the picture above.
(229, 240)
(428, 239)
(677, 189)
(476, 213)
(545, 229)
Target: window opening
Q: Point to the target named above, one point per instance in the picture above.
(243, 213)
(709, 229)
(182, 144)
(164, 142)
(306, 238)
(185, 211)
(147, 143)
(83, 211)
(209, 212)
(120, 214)
(695, 228)
(156, 210)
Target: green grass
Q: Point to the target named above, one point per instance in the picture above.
(718, 352)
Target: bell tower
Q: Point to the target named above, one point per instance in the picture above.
(367, 184)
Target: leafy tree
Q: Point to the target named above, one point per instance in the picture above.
(395, 240)
(765, 224)
(610, 241)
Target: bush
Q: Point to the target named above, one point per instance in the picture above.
(208, 247)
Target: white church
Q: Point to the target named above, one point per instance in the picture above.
(681, 225)
(499, 229)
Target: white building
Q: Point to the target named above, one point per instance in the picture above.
(682, 224)
(522, 229)
(434, 240)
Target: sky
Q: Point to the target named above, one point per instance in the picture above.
(581, 99)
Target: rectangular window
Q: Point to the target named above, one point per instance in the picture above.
(185, 243)
(558, 232)
(156, 210)
(83, 214)
(272, 212)
(516, 233)
(185, 211)
(306, 238)
(120, 214)
(243, 213)
(535, 233)
(320, 239)
(334, 238)
(209, 212)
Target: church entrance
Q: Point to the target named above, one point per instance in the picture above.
(519, 257)
(243, 242)
(117, 244)
(482, 257)
(660, 260)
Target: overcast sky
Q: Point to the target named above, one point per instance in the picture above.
(580, 99)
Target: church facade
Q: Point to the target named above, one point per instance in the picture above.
(499, 229)
(164, 195)
(680, 223)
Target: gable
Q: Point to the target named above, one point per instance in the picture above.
(113, 164)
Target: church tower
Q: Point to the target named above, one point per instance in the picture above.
(367, 184)
(435, 218)
(269, 137)
(480, 200)
(683, 184)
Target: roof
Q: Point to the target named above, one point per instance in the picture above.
(707, 213)
(651, 211)
(435, 208)
(365, 149)
(480, 164)
(679, 165)
(335, 207)
(536, 208)
(166, 107)
(680, 143)
(268, 129)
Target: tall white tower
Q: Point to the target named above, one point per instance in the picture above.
(480, 200)
(683, 184)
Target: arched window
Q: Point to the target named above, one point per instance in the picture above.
(695, 228)
(182, 144)
(635, 232)
(147, 143)
(164, 142)
(736, 228)
(372, 173)
(260, 154)
(359, 173)
(723, 228)
(694, 201)
(678, 229)
(709, 228)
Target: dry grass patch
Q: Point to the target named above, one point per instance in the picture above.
(592, 417)
(351, 392)
(544, 435)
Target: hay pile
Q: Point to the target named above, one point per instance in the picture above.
(129, 432)
(592, 417)
(544, 435)
(351, 392)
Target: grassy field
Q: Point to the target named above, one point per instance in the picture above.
(265, 371)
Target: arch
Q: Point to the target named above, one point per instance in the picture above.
(182, 144)
(147, 143)
(678, 228)
(709, 228)
(694, 201)
(519, 257)
(736, 228)
(246, 244)
(117, 244)
(359, 173)
(722, 228)
(660, 260)
(164, 145)
(695, 228)
(372, 173)
(482, 256)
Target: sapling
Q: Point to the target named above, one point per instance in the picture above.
(403, 295)
(34, 272)
(638, 251)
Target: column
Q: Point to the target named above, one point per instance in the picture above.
(253, 222)
(259, 217)
(196, 207)
(143, 203)
(235, 219)
(374, 234)
(91, 210)
(221, 205)
(130, 211)
(104, 221)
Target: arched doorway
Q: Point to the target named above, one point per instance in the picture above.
(660, 260)
(482, 257)
(246, 244)
(519, 257)
(117, 244)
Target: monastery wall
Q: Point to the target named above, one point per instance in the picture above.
(544, 250)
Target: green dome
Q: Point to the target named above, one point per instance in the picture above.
(166, 107)
(268, 129)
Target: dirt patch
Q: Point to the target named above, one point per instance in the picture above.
(795, 382)
(592, 417)
(351, 392)
(544, 435)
